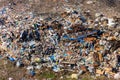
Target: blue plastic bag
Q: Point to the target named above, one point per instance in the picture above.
(32, 73)
(52, 57)
(66, 36)
(11, 59)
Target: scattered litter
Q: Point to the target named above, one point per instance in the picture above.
(70, 42)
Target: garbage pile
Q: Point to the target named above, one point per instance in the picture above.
(74, 41)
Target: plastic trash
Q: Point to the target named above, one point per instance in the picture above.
(38, 47)
(89, 2)
(56, 68)
(18, 64)
(65, 54)
(10, 78)
(52, 58)
(38, 67)
(111, 22)
(83, 19)
(65, 36)
(32, 73)
(3, 10)
(117, 76)
(30, 67)
(37, 60)
(31, 43)
(11, 59)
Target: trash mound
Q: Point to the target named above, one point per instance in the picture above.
(73, 41)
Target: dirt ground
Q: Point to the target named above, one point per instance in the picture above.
(8, 70)
(109, 8)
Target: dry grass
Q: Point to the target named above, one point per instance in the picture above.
(9, 70)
